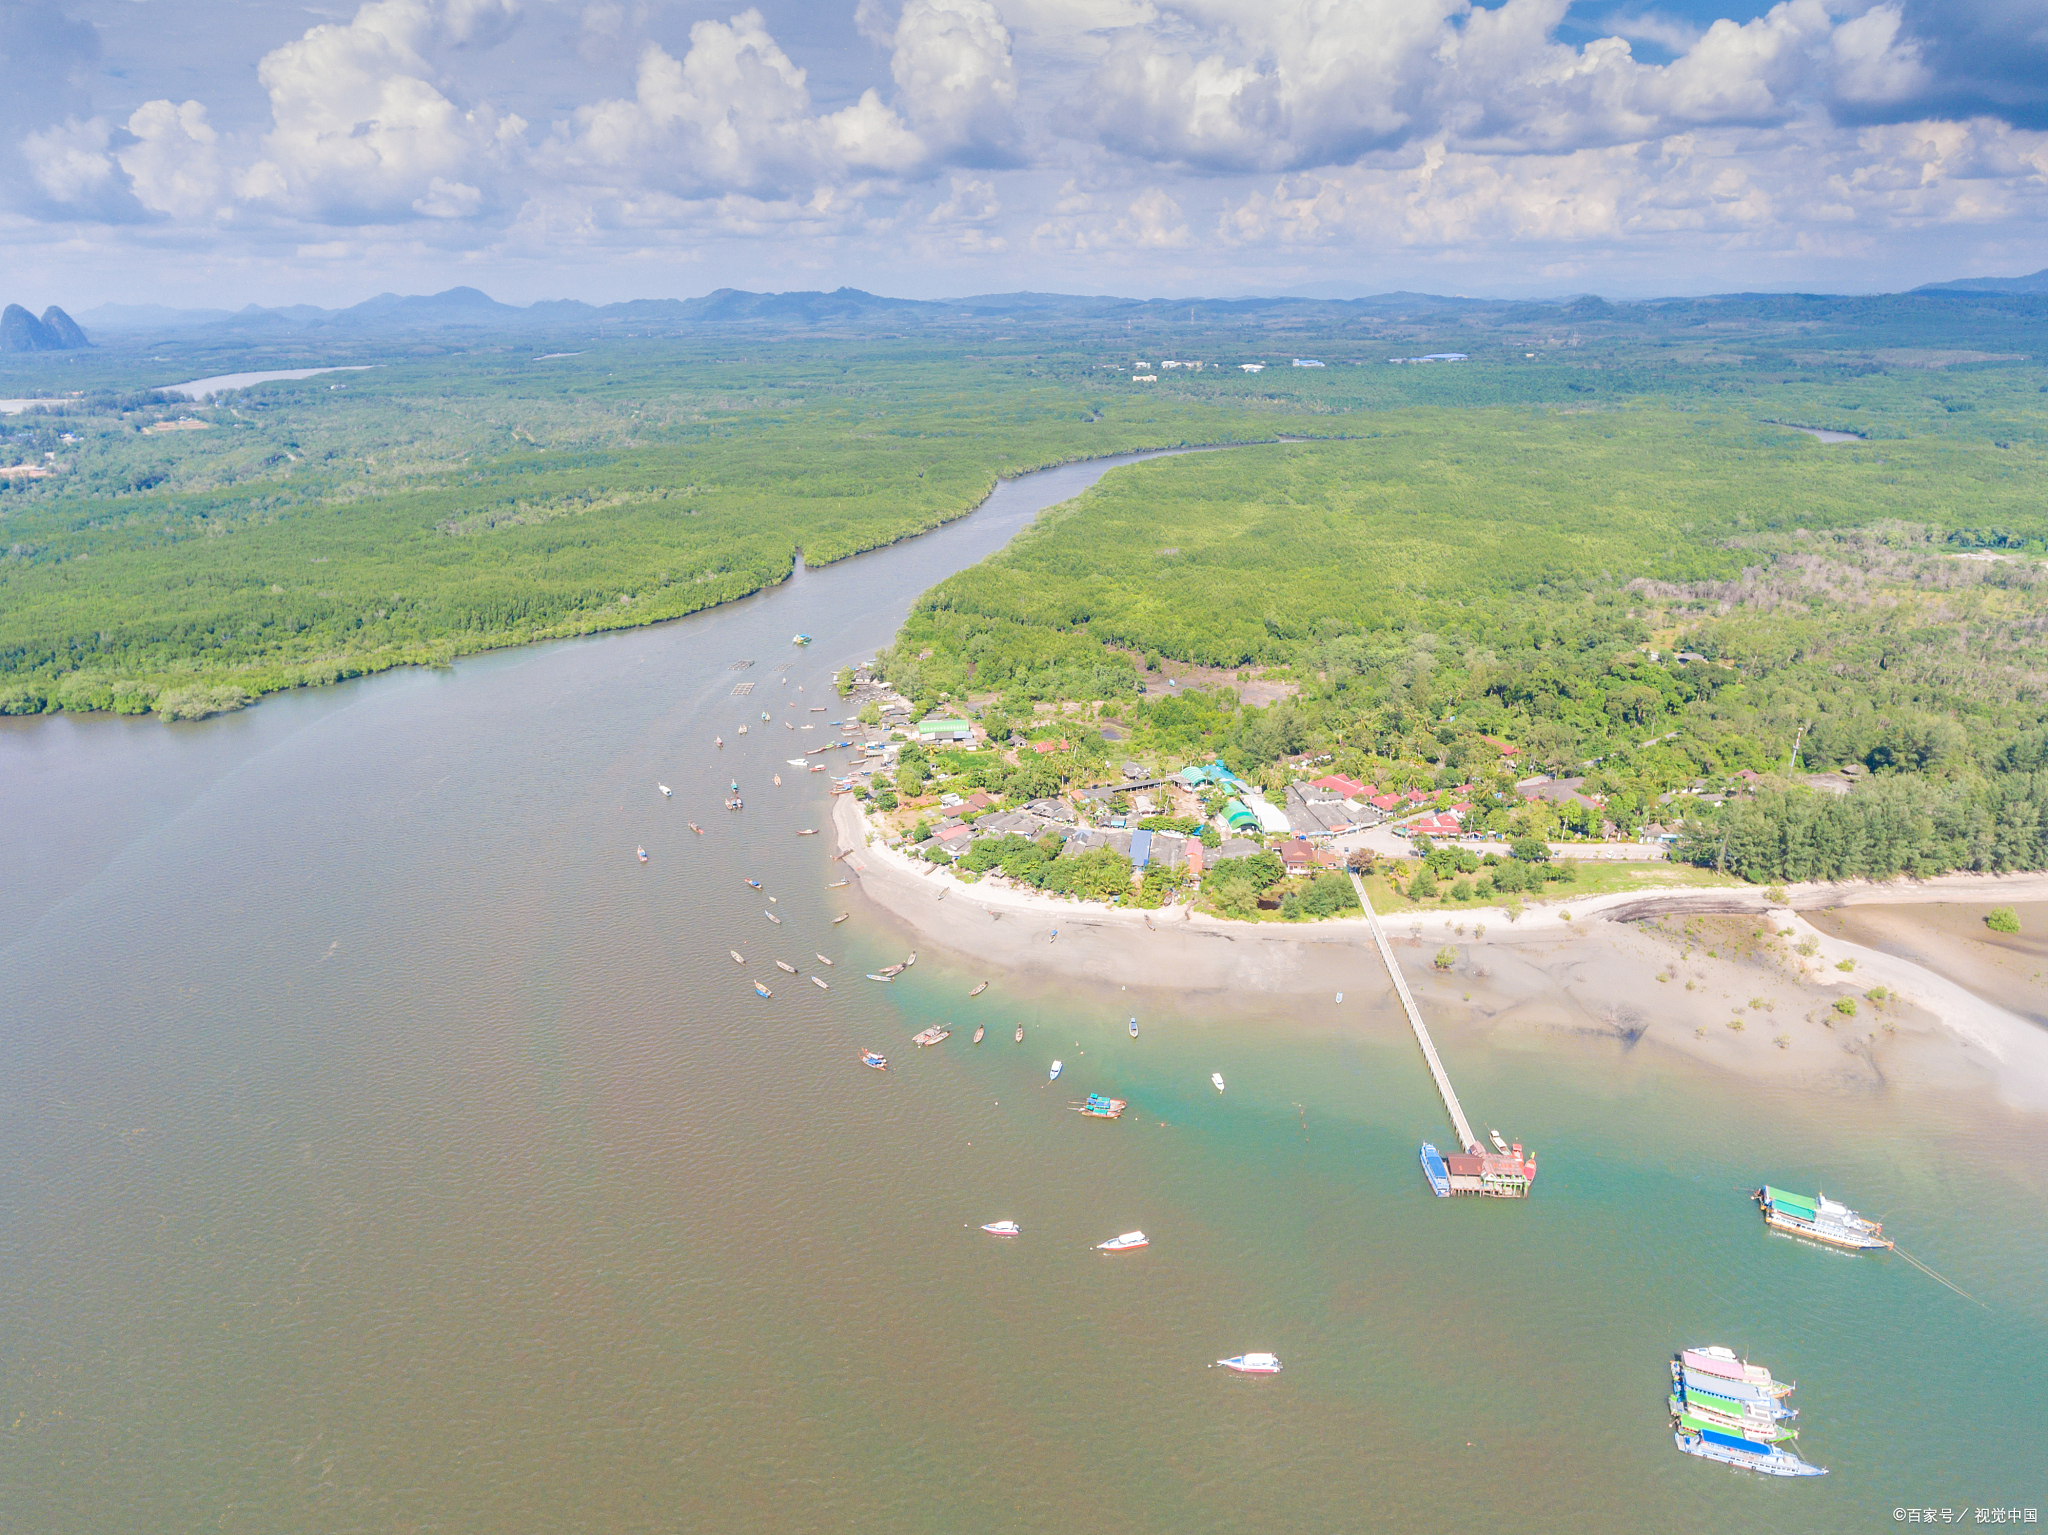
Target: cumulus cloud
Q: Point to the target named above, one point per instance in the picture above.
(733, 115)
(173, 163)
(956, 80)
(361, 131)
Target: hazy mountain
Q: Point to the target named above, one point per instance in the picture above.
(56, 331)
(2038, 283)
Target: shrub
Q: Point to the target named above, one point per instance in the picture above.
(2003, 919)
(1846, 1006)
(1446, 957)
(1845, 964)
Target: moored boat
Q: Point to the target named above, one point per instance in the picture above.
(1253, 1364)
(761, 990)
(911, 960)
(778, 780)
(734, 802)
(1020, 1033)
(938, 1033)
(641, 853)
(823, 960)
(666, 791)
(720, 740)
(819, 984)
(875, 977)
(1722, 1364)
(837, 884)
(772, 918)
(1499, 1145)
(1054, 1074)
(1695, 1419)
(1003, 1229)
(808, 831)
(1820, 1218)
(743, 730)
(1732, 1451)
(694, 827)
(785, 968)
(878, 1062)
(892, 971)
(1099, 1107)
(1216, 1080)
(1433, 1168)
(755, 883)
(979, 1030)
(841, 918)
(1128, 1242)
(978, 990)
(736, 959)
(1134, 1028)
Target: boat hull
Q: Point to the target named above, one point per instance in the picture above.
(1434, 1170)
(1749, 1457)
(1845, 1238)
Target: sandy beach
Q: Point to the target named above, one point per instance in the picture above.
(1721, 976)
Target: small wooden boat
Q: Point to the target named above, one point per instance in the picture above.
(1003, 1229)
(774, 900)
(695, 827)
(979, 989)
(823, 960)
(734, 802)
(1020, 1033)
(787, 725)
(1129, 1241)
(979, 1030)
(1216, 1078)
(755, 883)
(719, 739)
(764, 714)
(1054, 1074)
(808, 831)
(936, 1034)
(786, 969)
(874, 977)
(878, 1062)
(819, 984)
(772, 918)
(817, 767)
(640, 853)
(911, 960)
(837, 884)
(815, 708)
(743, 730)
(1253, 1364)
(666, 791)
(778, 780)
(762, 991)
(737, 957)
(1099, 1107)
(892, 971)
(841, 918)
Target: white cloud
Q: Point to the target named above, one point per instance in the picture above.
(69, 162)
(360, 129)
(955, 78)
(174, 164)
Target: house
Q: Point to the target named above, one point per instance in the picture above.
(1323, 815)
(1042, 747)
(1341, 786)
(1169, 850)
(1141, 849)
(1306, 362)
(1051, 809)
(977, 801)
(1134, 770)
(1252, 367)
(1195, 853)
(954, 839)
(1297, 855)
(1386, 804)
(1235, 816)
(1444, 825)
(933, 730)
(1236, 847)
(1501, 746)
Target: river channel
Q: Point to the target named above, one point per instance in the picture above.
(383, 1147)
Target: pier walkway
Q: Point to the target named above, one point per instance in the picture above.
(1466, 1139)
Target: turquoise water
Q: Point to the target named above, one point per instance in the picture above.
(386, 1149)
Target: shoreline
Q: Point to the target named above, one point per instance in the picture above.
(1567, 968)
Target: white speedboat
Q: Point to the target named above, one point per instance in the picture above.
(666, 791)
(1125, 1243)
(1054, 1074)
(1003, 1229)
(1253, 1364)
(1216, 1080)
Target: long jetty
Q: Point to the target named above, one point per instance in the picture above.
(1466, 1139)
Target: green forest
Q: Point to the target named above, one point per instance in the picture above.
(1606, 546)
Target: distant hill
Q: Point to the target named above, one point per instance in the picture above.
(56, 331)
(2038, 283)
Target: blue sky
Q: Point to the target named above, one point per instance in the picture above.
(247, 151)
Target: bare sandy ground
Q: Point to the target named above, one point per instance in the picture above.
(1719, 976)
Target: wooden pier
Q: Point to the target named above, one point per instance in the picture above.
(1467, 1141)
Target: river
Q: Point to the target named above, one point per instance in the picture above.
(386, 1148)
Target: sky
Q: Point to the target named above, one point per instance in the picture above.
(226, 152)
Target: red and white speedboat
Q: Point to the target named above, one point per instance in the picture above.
(1124, 1243)
(1253, 1364)
(1003, 1229)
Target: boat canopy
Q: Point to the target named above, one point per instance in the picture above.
(1792, 1204)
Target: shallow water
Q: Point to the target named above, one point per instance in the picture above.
(221, 383)
(386, 1148)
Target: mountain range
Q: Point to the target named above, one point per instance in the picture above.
(471, 308)
(56, 331)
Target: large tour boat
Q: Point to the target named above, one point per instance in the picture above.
(1821, 1218)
